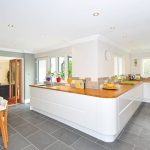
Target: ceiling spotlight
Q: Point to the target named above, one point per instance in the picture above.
(112, 28)
(96, 13)
(10, 25)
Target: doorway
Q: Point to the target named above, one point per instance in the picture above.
(11, 87)
(15, 81)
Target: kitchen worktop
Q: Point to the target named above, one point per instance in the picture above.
(92, 92)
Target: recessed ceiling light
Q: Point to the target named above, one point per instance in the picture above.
(112, 28)
(10, 25)
(96, 13)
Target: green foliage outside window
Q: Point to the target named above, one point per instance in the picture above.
(70, 68)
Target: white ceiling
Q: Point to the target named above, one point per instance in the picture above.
(41, 25)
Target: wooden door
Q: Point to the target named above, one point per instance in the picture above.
(15, 81)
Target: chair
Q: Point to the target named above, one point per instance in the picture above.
(3, 121)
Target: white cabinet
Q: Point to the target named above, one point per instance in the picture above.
(128, 104)
(147, 92)
(102, 118)
(79, 109)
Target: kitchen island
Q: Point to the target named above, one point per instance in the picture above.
(99, 113)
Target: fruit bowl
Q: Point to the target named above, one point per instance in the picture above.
(110, 86)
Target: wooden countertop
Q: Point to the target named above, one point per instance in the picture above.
(91, 92)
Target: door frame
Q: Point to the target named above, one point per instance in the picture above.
(22, 76)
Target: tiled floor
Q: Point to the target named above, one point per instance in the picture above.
(29, 130)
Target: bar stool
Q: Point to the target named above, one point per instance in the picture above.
(3, 121)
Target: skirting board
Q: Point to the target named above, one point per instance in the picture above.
(27, 101)
(146, 100)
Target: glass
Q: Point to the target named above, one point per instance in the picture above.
(61, 64)
(118, 65)
(42, 70)
(69, 66)
(53, 64)
(146, 67)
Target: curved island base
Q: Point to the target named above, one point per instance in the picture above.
(103, 118)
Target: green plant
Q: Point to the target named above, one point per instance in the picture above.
(49, 73)
(69, 68)
(60, 74)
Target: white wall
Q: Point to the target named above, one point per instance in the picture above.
(4, 68)
(85, 59)
(106, 67)
(89, 58)
(139, 56)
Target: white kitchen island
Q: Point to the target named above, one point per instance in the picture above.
(100, 117)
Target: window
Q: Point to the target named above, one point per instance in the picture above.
(118, 65)
(53, 64)
(69, 66)
(61, 64)
(42, 69)
(146, 67)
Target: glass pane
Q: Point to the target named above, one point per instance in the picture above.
(53, 64)
(69, 66)
(61, 66)
(120, 65)
(13, 77)
(42, 70)
(146, 67)
(115, 66)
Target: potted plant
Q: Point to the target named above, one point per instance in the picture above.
(69, 80)
(49, 75)
(59, 76)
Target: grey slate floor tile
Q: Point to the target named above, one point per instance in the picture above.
(33, 131)
(66, 136)
(17, 122)
(17, 142)
(58, 146)
(128, 137)
(41, 140)
(117, 145)
(30, 147)
(27, 129)
(48, 126)
(84, 144)
(35, 119)
(139, 148)
(89, 137)
(133, 128)
(11, 131)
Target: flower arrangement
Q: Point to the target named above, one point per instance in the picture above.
(59, 76)
(49, 75)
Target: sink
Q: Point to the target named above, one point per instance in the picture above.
(51, 85)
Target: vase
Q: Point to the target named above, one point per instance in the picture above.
(58, 79)
(48, 78)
